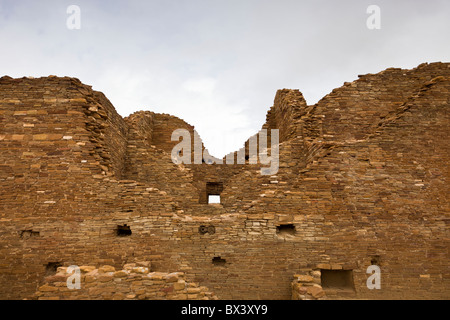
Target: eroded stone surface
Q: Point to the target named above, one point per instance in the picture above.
(363, 177)
(104, 284)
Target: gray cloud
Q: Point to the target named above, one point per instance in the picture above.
(217, 64)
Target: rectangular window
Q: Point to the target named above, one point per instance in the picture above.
(286, 229)
(337, 279)
(218, 261)
(213, 199)
(123, 230)
(213, 191)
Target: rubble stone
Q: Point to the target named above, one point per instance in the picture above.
(362, 180)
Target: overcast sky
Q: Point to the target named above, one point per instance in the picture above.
(217, 64)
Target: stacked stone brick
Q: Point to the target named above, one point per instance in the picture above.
(363, 176)
(307, 287)
(133, 282)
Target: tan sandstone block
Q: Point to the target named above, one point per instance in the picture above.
(86, 269)
(106, 268)
(47, 288)
(180, 285)
(304, 278)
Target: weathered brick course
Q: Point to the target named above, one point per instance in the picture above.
(363, 179)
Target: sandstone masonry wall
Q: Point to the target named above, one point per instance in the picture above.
(134, 282)
(356, 188)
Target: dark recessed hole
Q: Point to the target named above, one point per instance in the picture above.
(129, 210)
(123, 230)
(213, 191)
(375, 261)
(52, 267)
(214, 188)
(218, 261)
(211, 230)
(25, 234)
(337, 279)
(205, 229)
(286, 229)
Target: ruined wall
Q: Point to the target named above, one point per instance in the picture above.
(289, 106)
(308, 286)
(353, 196)
(345, 196)
(134, 282)
(152, 165)
(60, 203)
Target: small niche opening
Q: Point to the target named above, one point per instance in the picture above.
(51, 268)
(213, 191)
(205, 229)
(375, 261)
(123, 231)
(286, 229)
(337, 279)
(218, 261)
(25, 234)
(211, 229)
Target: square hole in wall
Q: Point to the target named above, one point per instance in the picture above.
(213, 191)
(337, 279)
(214, 188)
(123, 231)
(205, 229)
(25, 234)
(51, 268)
(286, 229)
(218, 261)
(375, 260)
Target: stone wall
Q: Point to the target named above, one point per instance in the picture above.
(133, 282)
(368, 183)
(308, 286)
